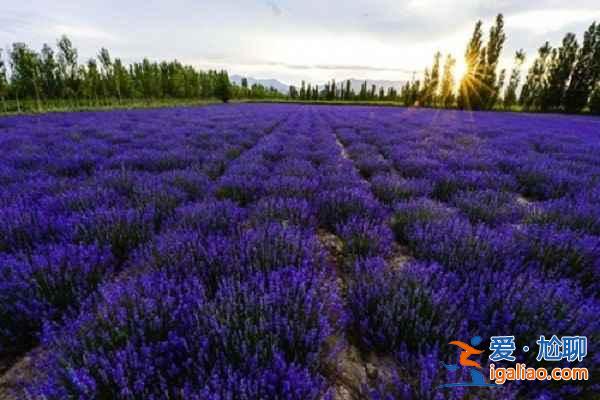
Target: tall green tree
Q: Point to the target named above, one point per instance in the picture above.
(3, 82)
(107, 73)
(25, 77)
(223, 87)
(348, 92)
(533, 89)
(479, 86)
(122, 81)
(373, 92)
(363, 95)
(431, 82)
(447, 84)
(489, 85)
(91, 85)
(68, 68)
(496, 99)
(332, 90)
(425, 87)
(586, 71)
(510, 94)
(49, 73)
(435, 79)
(595, 101)
(467, 91)
(560, 68)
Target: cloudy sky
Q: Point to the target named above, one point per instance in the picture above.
(291, 40)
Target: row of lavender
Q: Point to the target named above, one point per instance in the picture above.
(508, 209)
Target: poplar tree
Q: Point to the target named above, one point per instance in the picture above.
(510, 94)
(363, 91)
(499, 86)
(467, 88)
(332, 90)
(595, 101)
(489, 85)
(348, 93)
(48, 73)
(431, 82)
(107, 73)
(479, 86)
(25, 77)
(560, 68)
(533, 88)
(223, 87)
(586, 71)
(435, 79)
(68, 69)
(447, 84)
(423, 93)
(3, 82)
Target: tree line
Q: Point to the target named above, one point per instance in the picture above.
(31, 79)
(561, 79)
(332, 91)
(565, 78)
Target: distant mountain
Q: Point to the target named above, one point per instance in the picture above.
(356, 83)
(280, 86)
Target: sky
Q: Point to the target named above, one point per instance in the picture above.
(292, 40)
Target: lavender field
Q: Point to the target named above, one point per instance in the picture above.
(291, 252)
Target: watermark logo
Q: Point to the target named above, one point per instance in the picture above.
(566, 349)
(464, 361)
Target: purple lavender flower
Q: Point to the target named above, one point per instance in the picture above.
(364, 238)
(287, 210)
(210, 216)
(391, 188)
(121, 230)
(489, 206)
(338, 206)
(43, 287)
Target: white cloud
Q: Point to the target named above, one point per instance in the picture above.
(293, 39)
(544, 21)
(83, 32)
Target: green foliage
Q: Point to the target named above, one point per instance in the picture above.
(467, 90)
(480, 86)
(565, 78)
(447, 85)
(533, 89)
(223, 87)
(3, 83)
(595, 101)
(51, 80)
(586, 72)
(510, 95)
(560, 67)
(431, 81)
